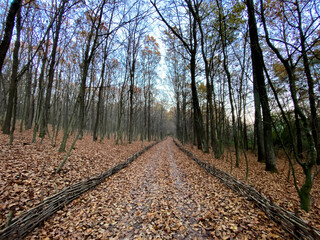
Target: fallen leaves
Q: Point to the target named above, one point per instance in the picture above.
(274, 186)
(27, 170)
(161, 195)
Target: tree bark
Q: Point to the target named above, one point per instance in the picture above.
(258, 76)
(178, 117)
(13, 79)
(149, 109)
(299, 135)
(95, 130)
(184, 116)
(5, 43)
(258, 125)
(234, 125)
(199, 128)
(312, 100)
(131, 92)
(40, 91)
(27, 99)
(46, 107)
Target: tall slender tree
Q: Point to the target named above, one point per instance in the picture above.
(46, 108)
(223, 37)
(258, 76)
(10, 20)
(11, 107)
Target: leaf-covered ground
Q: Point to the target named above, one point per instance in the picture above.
(161, 195)
(27, 170)
(274, 186)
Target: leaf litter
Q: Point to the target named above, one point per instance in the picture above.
(274, 186)
(161, 195)
(27, 171)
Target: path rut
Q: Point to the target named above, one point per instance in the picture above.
(161, 195)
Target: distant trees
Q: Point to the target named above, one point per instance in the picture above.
(177, 75)
(84, 80)
(150, 59)
(206, 38)
(189, 39)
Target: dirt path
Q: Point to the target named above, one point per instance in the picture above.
(161, 195)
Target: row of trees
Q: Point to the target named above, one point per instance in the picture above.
(237, 63)
(80, 66)
(92, 66)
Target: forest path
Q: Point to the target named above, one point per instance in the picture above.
(161, 195)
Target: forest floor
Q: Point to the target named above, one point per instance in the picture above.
(27, 170)
(163, 194)
(274, 186)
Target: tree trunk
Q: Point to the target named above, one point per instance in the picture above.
(82, 93)
(234, 125)
(305, 191)
(46, 107)
(32, 102)
(198, 122)
(131, 92)
(5, 43)
(29, 121)
(258, 126)
(40, 91)
(245, 132)
(95, 130)
(257, 66)
(178, 117)
(120, 114)
(222, 30)
(184, 117)
(299, 135)
(27, 101)
(315, 128)
(149, 111)
(13, 79)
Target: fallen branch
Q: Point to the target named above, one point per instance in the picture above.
(23, 224)
(291, 223)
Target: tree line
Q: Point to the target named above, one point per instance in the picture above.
(80, 66)
(244, 74)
